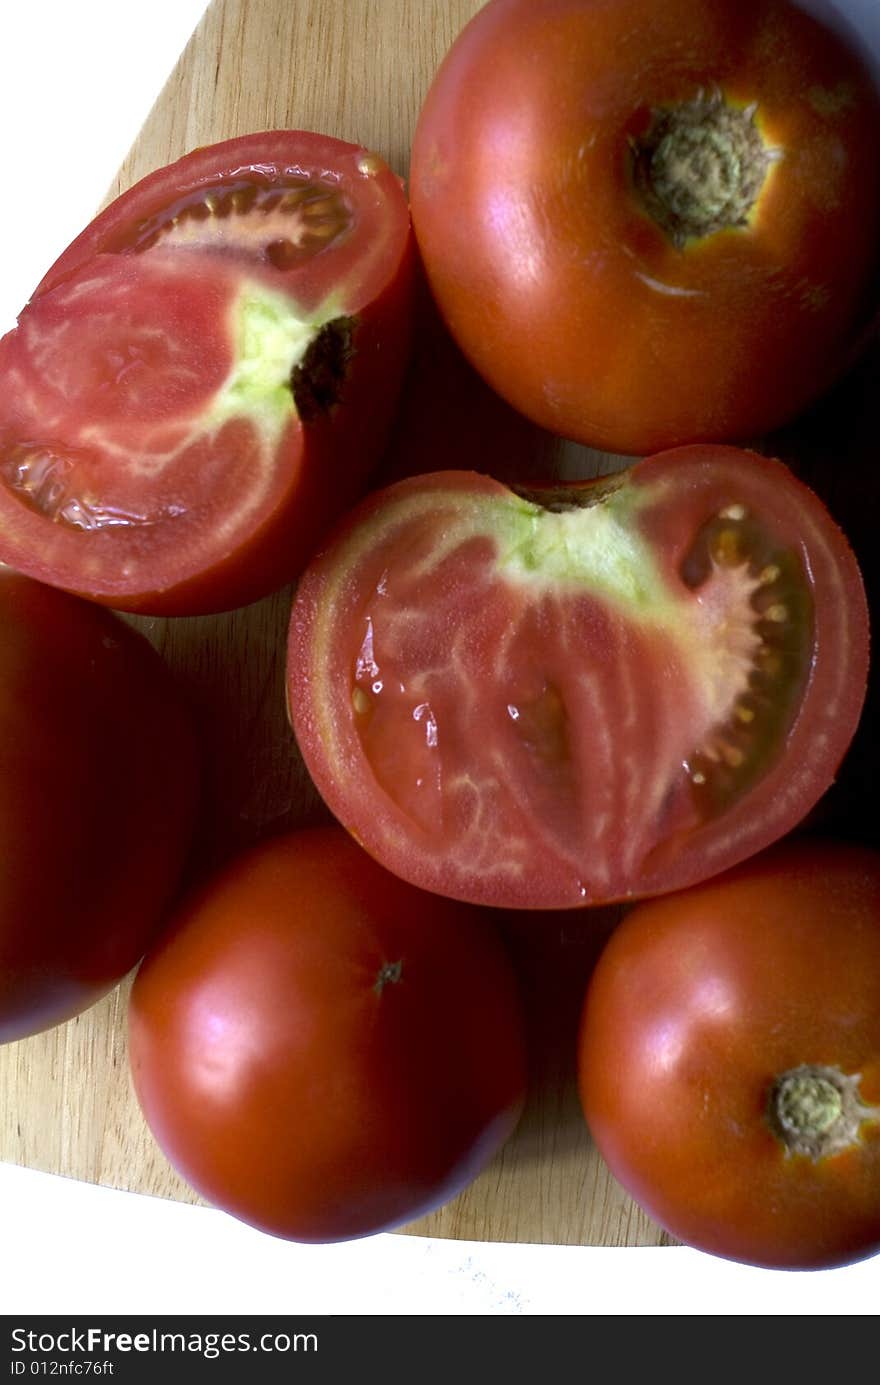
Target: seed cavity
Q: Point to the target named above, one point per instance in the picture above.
(768, 625)
(286, 224)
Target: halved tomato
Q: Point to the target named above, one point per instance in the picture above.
(543, 699)
(206, 375)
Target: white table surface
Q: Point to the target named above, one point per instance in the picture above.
(76, 80)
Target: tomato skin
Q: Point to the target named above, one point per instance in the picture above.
(570, 301)
(698, 1003)
(200, 545)
(98, 775)
(440, 776)
(286, 1082)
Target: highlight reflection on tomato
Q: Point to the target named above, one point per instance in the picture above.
(548, 698)
(206, 375)
(97, 800)
(320, 1049)
(729, 1058)
(651, 223)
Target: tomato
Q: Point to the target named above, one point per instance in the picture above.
(543, 699)
(650, 224)
(97, 799)
(321, 1050)
(206, 375)
(729, 1058)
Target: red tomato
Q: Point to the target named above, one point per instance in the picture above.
(729, 1058)
(206, 375)
(651, 223)
(97, 796)
(320, 1049)
(546, 699)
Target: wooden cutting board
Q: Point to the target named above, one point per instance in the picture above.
(357, 69)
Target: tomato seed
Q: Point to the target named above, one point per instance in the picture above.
(768, 575)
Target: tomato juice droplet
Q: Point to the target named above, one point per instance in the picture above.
(382, 701)
(53, 485)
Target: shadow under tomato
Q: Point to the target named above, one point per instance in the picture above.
(232, 670)
(834, 449)
(554, 954)
(450, 419)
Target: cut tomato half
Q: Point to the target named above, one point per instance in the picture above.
(545, 699)
(206, 375)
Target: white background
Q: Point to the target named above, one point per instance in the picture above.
(77, 78)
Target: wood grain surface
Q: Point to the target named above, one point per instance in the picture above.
(357, 69)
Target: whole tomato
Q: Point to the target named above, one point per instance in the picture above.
(97, 798)
(322, 1050)
(729, 1058)
(651, 223)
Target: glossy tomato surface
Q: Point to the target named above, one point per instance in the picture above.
(542, 699)
(616, 314)
(206, 375)
(97, 798)
(729, 1058)
(320, 1049)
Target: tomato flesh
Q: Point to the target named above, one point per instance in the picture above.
(183, 393)
(602, 695)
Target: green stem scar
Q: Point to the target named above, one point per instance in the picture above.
(284, 364)
(701, 166)
(388, 974)
(816, 1111)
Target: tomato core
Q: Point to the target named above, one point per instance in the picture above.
(317, 381)
(701, 166)
(817, 1111)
